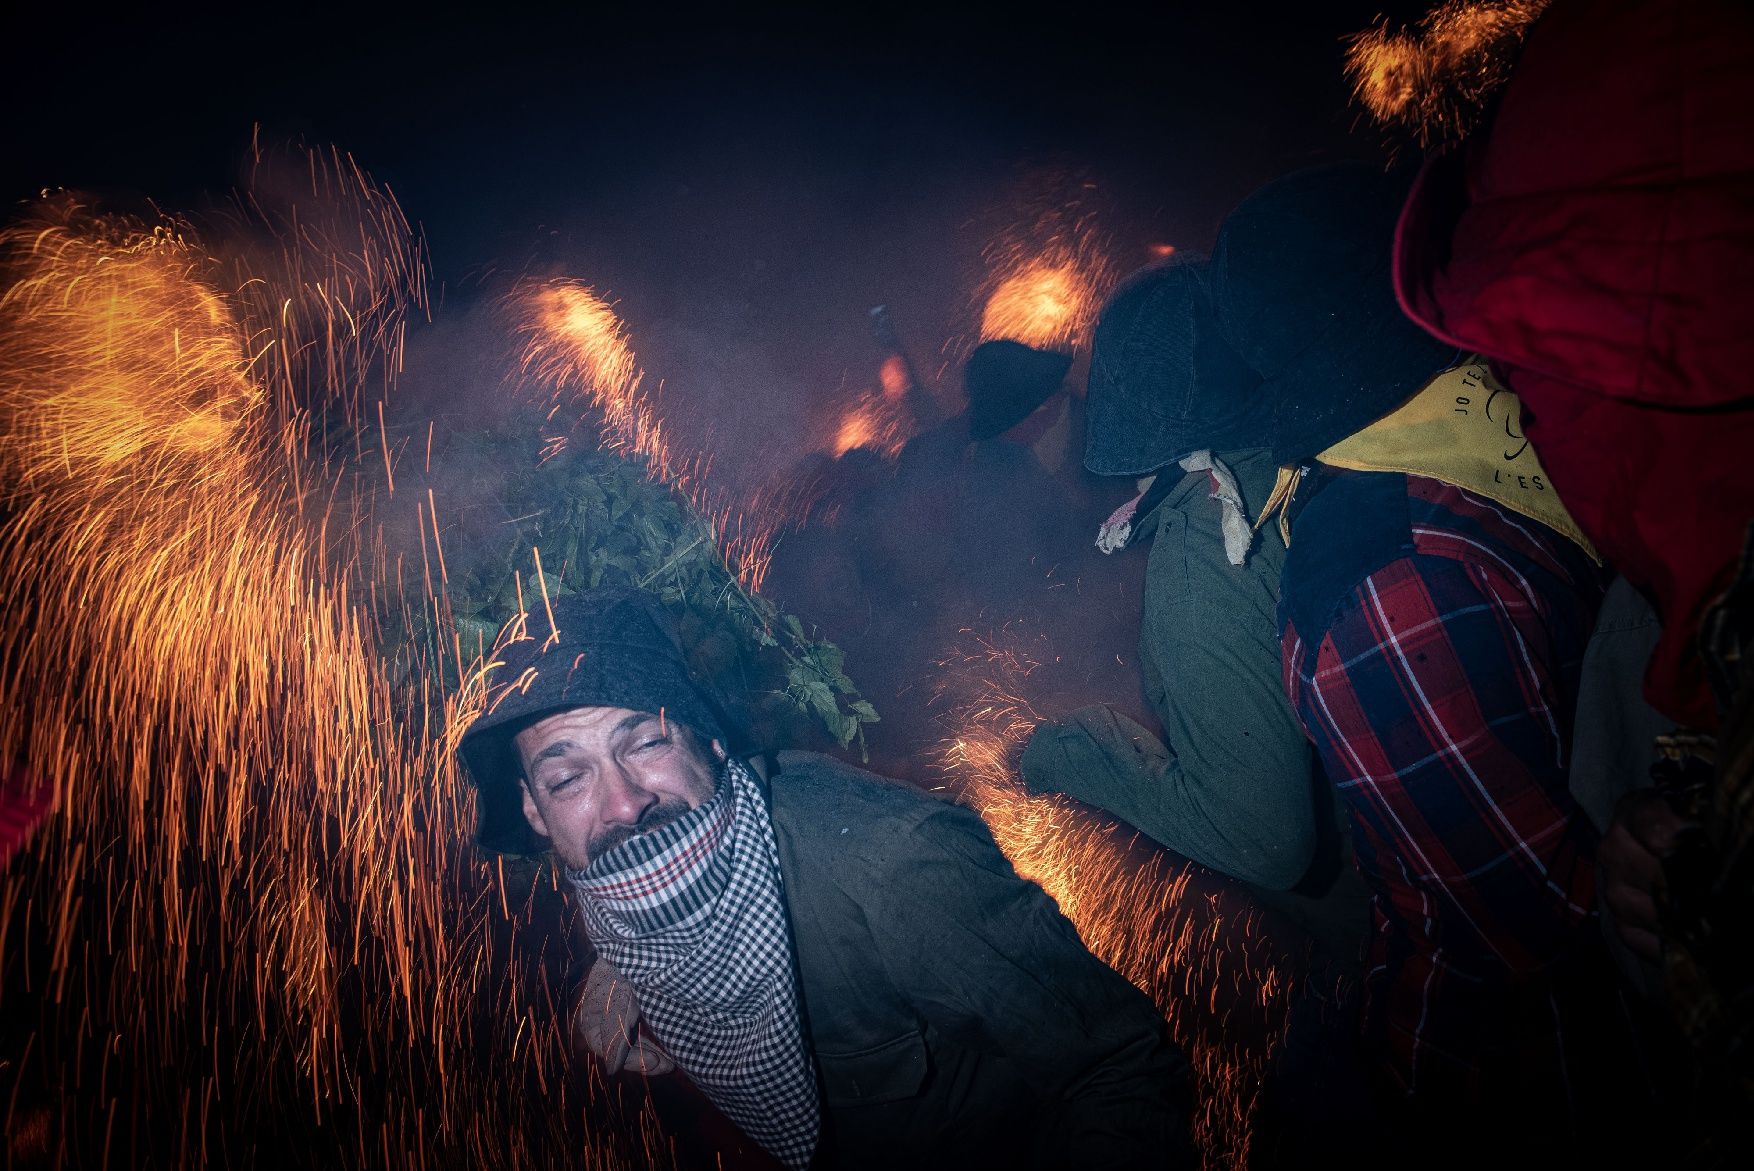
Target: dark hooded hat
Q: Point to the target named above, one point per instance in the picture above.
(605, 648)
(1301, 282)
(1163, 382)
(1006, 381)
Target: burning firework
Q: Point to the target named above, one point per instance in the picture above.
(1046, 277)
(1434, 85)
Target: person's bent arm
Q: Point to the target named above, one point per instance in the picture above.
(990, 961)
(1232, 790)
(1231, 785)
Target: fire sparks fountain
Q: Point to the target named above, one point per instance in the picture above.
(253, 929)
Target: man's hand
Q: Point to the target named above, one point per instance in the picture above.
(1644, 831)
(605, 1021)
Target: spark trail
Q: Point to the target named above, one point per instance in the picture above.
(253, 930)
(1046, 276)
(1219, 982)
(574, 345)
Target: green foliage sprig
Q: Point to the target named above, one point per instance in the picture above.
(598, 519)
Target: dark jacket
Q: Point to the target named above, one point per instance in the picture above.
(956, 1018)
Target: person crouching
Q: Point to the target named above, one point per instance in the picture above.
(848, 968)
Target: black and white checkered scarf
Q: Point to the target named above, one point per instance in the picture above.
(692, 915)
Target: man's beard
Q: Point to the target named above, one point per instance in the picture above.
(658, 816)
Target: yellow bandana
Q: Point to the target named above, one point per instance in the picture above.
(1465, 429)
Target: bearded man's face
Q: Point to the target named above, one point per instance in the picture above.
(596, 776)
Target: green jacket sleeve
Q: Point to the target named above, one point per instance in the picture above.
(989, 961)
(1231, 785)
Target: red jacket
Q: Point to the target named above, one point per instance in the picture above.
(1597, 243)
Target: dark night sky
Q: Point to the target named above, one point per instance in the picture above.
(746, 182)
(490, 123)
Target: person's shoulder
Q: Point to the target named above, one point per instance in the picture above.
(1190, 568)
(844, 828)
(821, 791)
(1345, 526)
(855, 823)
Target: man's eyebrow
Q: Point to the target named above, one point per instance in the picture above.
(558, 748)
(634, 720)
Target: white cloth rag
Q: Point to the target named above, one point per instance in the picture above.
(1117, 530)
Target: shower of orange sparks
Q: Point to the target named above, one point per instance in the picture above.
(1136, 910)
(328, 271)
(1044, 305)
(162, 393)
(574, 344)
(255, 841)
(1048, 272)
(1433, 83)
(874, 421)
(258, 839)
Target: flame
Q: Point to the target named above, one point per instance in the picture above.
(1048, 271)
(856, 430)
(894, 377)
(1046, 305)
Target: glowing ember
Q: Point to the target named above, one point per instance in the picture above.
(1434, 84)
(875, 422)
(1043, 306)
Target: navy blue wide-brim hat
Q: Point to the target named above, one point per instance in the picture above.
(1163, 381)
(1302, 286)
(1006, 381)
(605, 648)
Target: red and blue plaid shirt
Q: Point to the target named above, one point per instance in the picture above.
(1438, 693)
